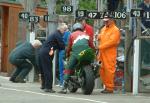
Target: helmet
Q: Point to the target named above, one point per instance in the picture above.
(77, 26)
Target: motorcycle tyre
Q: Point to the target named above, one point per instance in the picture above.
(89, 80)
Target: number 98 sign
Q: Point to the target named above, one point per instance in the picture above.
(67, 8)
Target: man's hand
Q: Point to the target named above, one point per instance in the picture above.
(28, 60)
(146, 32)
(51, 52)
(67, 55)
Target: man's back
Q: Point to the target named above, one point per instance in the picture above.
(146, 8)
(23, 51)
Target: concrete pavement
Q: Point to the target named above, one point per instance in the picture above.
(31, 93)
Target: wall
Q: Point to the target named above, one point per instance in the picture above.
(10, 30)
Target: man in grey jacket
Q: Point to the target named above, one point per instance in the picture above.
(23, 57)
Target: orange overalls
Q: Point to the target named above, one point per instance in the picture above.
(109, 39)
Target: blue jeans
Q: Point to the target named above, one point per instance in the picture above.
(61, 66)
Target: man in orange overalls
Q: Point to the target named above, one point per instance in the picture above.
(108, 39)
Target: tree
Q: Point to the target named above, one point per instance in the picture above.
(112, 5)
(91, 5)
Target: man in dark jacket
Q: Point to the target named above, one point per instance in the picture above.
(53, 42)
(23, 57)
(145, 6)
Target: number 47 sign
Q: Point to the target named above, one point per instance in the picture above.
(99, 15)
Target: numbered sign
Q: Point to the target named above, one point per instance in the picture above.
(147, 14)
(119, 15)
(67, 9)
(34, 19)
(101, 15)
(136, 13)
(93, 15)
(24, 15)
(46, 18)
(81, 13)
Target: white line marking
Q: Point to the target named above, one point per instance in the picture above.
(6, 78)
(84, 99)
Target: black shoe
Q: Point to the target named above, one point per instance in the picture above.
(42, 87)
(106, 91)
(63, 91)
(49, 90)
(12, 79)
(18, 80)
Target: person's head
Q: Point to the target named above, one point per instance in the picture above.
(77, 26)
(81, 20)
(62, 27)
(36, 43)
(108, 19)
(147, 1)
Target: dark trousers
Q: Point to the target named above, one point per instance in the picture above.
(145, 51)
(46, 68)
(22, 69)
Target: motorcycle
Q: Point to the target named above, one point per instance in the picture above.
(83, 76)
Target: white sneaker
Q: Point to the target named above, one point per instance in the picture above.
(61, 86)
(58, 85)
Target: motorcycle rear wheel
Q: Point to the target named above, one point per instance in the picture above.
(88, 80)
